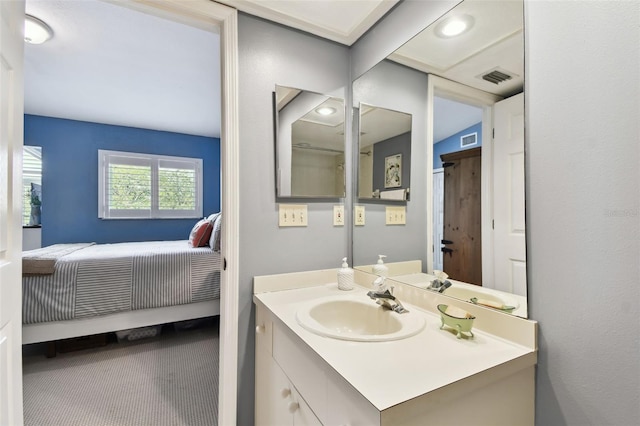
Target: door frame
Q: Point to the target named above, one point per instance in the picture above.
(204, 13)
(443, 88)
(208, 15)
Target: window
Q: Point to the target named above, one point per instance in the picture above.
(145, 186)
(31, 181)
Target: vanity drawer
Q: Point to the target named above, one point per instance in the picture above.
(304, 368)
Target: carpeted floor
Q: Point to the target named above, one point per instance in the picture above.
(170, 379)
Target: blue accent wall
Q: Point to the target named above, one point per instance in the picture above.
(70, 178)
(452, 144)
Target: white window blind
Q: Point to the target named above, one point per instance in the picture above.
(133, 185)
(31, 173)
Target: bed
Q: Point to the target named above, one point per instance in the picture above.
(72, 290)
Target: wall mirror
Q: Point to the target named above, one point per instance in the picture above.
(309, 144)
(384, 171)
(466, 216)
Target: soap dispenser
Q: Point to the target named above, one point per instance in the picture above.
(380, 268)
(345, 276)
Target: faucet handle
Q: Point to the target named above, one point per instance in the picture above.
(379, 285)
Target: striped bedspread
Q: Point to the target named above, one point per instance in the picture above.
(108, 278)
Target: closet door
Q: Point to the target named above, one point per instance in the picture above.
(11, 134)
(462, 237)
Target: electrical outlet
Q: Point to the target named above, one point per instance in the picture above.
(359, 216)
(338, 215)
(292, 215)
(395, 215)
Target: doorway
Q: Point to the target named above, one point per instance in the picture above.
(197, 13)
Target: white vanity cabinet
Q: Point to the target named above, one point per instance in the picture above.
(431, 378)
(294, 386)
(277, 401)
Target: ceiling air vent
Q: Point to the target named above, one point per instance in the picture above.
(496, 76)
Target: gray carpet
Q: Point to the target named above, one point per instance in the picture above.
(170, 379)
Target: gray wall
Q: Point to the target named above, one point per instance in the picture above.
(392, 86)
(268, 55)
(583, 201)
(583, 192)
(582, 107)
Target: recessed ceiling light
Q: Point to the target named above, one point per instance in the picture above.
(326, 110)
(454, 26)
(36, 31)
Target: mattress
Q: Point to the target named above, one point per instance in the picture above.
(102, 279)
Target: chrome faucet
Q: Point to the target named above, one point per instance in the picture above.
(439, 286)
(383, 295)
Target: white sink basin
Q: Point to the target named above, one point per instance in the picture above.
(357, 318)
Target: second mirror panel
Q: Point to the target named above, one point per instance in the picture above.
(466, 215)
(385, 154)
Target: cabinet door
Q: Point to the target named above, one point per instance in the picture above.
(273, 394)
(302, 413)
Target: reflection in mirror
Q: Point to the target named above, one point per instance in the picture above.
(309, 136)
(385, 154)
(474, 182)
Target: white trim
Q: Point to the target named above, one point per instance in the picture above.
(348, 37)
(441, 87)
(205, 14)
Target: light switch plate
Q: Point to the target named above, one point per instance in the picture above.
(396, 215)
(359, 216)
(292, 215)
(338, 215)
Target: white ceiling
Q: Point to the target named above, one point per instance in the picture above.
(495, 41)
(114, 65)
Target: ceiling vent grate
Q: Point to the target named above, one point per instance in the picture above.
(496, 77)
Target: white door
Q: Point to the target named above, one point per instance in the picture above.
(11, 117)
(508, 196)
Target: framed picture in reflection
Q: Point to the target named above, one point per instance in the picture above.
(393, 171)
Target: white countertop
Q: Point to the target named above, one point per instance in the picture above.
(423, 280)
(389, 373)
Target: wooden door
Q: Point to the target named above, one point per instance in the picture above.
(11, 134)
(462, 237)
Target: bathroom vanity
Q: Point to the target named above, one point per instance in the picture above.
(429, 377)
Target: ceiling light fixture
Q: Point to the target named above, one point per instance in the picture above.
(326, 110)
(36, 31)
(454, 26)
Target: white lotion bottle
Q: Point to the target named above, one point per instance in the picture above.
(345, 276)
(380, 268)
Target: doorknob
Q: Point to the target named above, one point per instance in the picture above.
(447, 250)
(446, 242)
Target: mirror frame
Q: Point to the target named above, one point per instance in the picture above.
(313, 198)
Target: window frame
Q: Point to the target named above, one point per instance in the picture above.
(154, 161)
